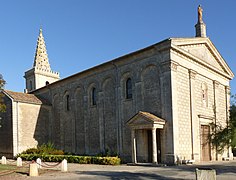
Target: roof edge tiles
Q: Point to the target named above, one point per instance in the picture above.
(26, 98)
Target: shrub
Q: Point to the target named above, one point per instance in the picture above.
(44, 149)
(56, 152)
(73, 159)
(31, 151)
(49, 148)
(47, 152)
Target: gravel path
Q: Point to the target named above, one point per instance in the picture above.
(225, 170)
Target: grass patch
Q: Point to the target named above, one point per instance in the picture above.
(7, 170)
(4, 167)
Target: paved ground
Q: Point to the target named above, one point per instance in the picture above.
(224, 170)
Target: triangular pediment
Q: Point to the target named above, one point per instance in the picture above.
(145, 120)
(141, 121)
(204, 51)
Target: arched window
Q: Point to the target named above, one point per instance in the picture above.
(204, 95)
(94, 96)
(67, 102)
(47, 83)
(128, 89)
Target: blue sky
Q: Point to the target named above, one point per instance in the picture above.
(80, 34)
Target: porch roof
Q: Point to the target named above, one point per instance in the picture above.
(145, 120)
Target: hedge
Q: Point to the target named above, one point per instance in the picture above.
(72, 159)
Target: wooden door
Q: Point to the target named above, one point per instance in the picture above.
(205, 143)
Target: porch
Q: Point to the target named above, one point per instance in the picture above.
(146, 137)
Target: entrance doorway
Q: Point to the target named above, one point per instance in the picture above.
(145, 137)
(205, 143)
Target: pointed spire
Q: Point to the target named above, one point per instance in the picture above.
(200, 26)
(41, 56)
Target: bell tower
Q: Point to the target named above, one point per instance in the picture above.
(41, 74)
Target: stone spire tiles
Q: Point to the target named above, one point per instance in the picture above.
(41, 57)
(41, 74)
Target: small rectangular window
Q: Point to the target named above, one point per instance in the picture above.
(67, 103)
(128, 89)
(94, 96)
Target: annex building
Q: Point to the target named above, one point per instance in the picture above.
(153, 105)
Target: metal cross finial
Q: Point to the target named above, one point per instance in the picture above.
(41, 29)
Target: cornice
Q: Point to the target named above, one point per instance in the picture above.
(206, 117)
(216, 53)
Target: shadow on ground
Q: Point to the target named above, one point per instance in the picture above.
(220, 169)
(124, 175)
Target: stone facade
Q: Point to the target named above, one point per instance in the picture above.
(182, 81)
(91, 129)
(24, 124)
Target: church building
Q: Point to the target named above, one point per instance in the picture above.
(154, 105)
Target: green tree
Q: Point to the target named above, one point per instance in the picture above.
(2, 84)
(223, 137)
(232, 122)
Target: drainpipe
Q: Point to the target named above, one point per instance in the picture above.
(191, 113)
(214, 110)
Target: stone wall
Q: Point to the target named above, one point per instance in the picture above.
(183, 95)
(33, 125)
(193, 111)
(86, 128)
(37, 78)
(165, 82)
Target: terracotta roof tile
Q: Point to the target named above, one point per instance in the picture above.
(27, 98)
(151, 116)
